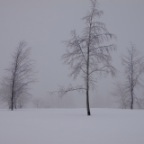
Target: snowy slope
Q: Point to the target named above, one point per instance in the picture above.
(72, 126)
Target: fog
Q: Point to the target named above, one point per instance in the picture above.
(46, 24)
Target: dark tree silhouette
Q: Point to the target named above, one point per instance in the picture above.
(15, 86)
(134, 68)
(90, 54)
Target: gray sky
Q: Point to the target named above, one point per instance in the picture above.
(45, 24)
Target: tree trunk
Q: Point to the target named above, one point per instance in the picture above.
(87, 89)
(132, 100)
(13, 92)
(87, 77)
(132, 83)
(12, 100)
(12, 103)
(87, 102)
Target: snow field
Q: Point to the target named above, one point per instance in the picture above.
(72, 126)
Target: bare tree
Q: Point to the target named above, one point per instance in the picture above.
(15, 86)
(134, 68)
(89, 54)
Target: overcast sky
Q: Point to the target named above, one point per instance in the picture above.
(45, 24)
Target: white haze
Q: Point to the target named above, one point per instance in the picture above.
(45, 24)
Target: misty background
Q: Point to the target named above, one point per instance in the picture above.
(46, 24)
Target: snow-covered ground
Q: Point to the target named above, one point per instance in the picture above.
(72, 126)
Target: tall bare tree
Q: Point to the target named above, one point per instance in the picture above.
(89, 54)
(134, 68)
(15, 86)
